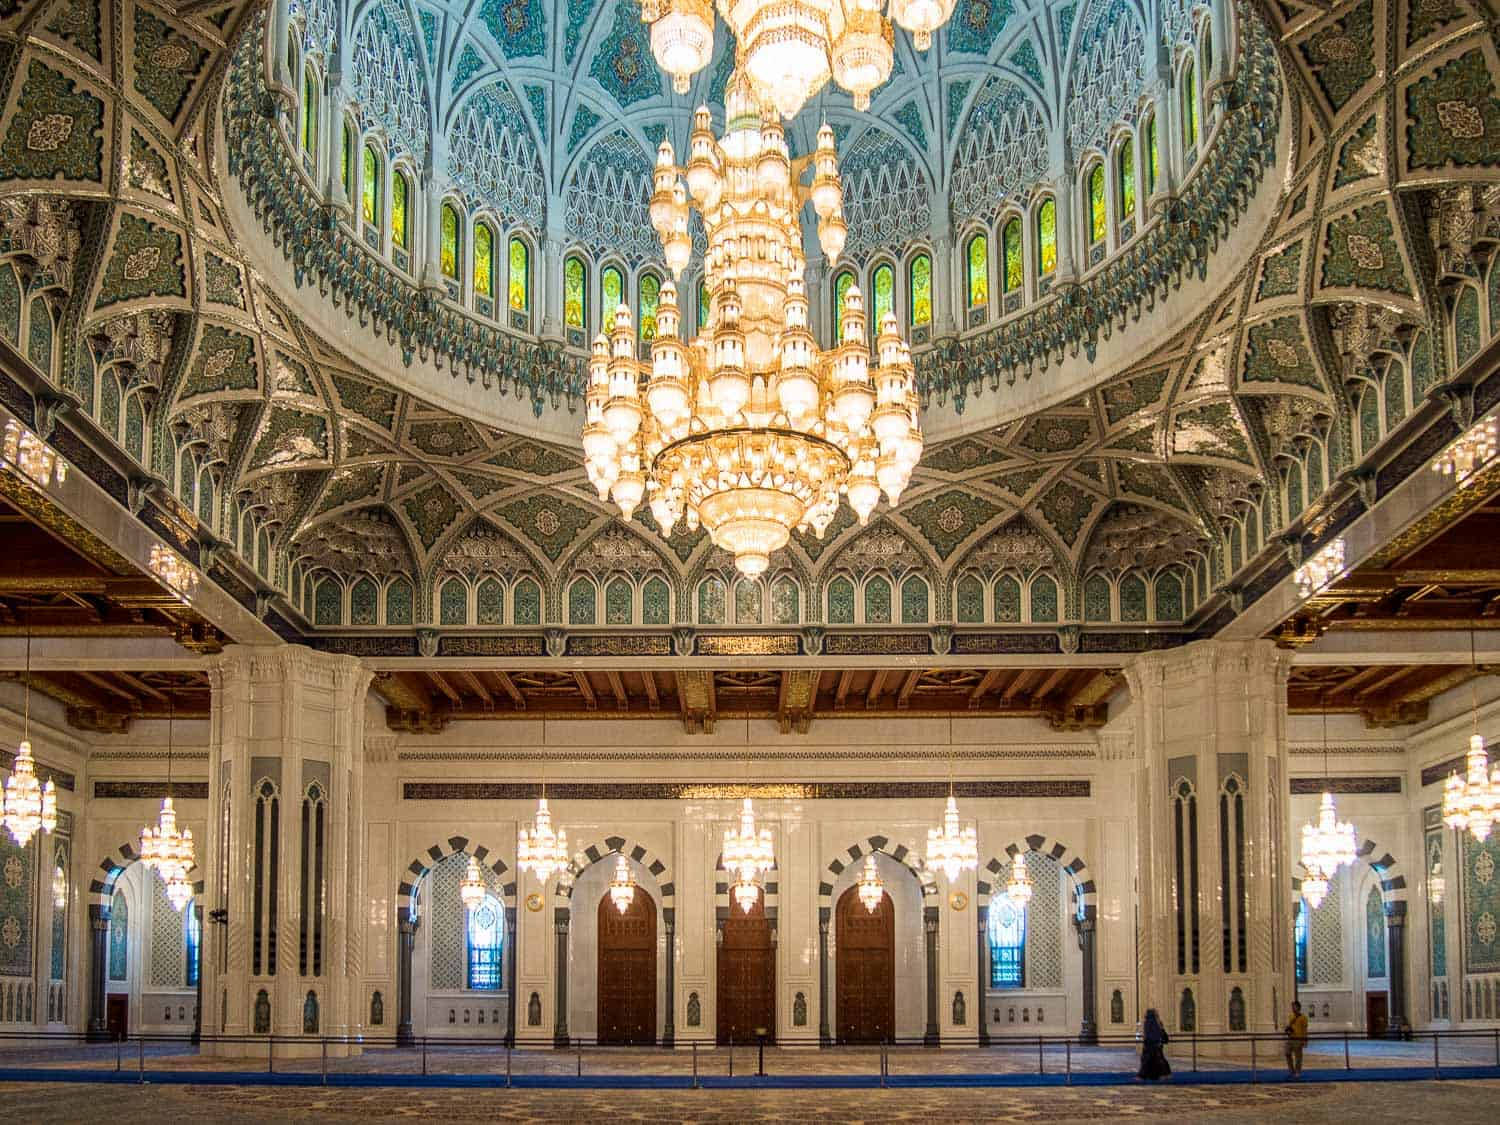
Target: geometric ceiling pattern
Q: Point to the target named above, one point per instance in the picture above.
(210, 406)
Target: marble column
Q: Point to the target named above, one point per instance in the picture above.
(1087, 927)
(406, 945)
(982, 959)
(669, 1027)
(561, 917)
(1395, 929)
(825, 1035)
(931, 1038)
(98, 971)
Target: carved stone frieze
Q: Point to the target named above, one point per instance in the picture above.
(45, 231)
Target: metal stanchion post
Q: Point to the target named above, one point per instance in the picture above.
(760, 1066)
(731, 1056)
(1437, 1062)
(507, 1066)
(1041, 1066)
(119, 1047)
(1069, 1045)
(142, 1042)
(695, 1064)
(325, 1062)
(270, 1054)
(580, 1057)
(884, 1066)
(424, 1056)
(1195, 1052)
(1347, 1064)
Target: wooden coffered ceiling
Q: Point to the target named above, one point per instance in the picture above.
(52, 586)
(1382, 694)
(109, 702)
(1067, 698)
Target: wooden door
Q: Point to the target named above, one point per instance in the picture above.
(1377, 1014)
(747, 975)
(627, 971)
(865, 966)
(117, 1014)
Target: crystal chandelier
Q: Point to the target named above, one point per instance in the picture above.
(539, 849)
(870, 886)
(30, 805)
(622, 886)
(1469, 452)
(1328, 843)
(1472, 801)
(471, 888)
(32, 456)
(179, 892)
(748, 853)
(750, 429)
(164, 848)
(1318, 571)
(174, 571)
(952, 848)
(1018, 886)
(791, 48)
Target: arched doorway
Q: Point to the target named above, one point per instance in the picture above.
(627, 971)
(747, 975)
(866, 969)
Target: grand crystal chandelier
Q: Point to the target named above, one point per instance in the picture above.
(1018, 886)
(748, 855)
(1469, 452)
(1472, 802)
(165, 848)
(750, 429)
(541, 850)
(622, 886)
(950, 847)
(30, 805)
(471, 888)
(1327, 843)
(870, 886)
(791, 48)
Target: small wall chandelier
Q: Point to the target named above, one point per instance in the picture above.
(32, 456)
(1018, 887)
(471, 888)
(791, 48)
(1469, 452)
(30, 805)
(164, 848)
(748, 855)
(622, 886)
(870, 886)
(750, 429)
(1327, 843)
(1472, 801)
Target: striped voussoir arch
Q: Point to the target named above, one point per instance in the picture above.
(856, 852)
(1072, 863)
(1392, 878)
(406, 893)
(102, 886)
(722, 902)
(585, 858)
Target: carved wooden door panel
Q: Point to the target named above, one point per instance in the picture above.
(627, 971)
(865, 966)
(747, 975)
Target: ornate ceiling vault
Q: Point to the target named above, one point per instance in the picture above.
(350, 511)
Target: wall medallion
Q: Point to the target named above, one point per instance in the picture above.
(533, 902)
(958, 900)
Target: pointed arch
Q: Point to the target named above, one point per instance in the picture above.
(905, 856)
(1086, 899)
(600, 851)
(406, 891)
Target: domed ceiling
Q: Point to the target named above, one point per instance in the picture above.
(136, 288)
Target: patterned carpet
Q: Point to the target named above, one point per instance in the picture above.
(1454, 1103)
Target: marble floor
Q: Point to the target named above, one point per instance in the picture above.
(1371, 1103)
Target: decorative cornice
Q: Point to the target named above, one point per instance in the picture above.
(1317, 749)
(767, 791)
(1315, 785)
(1009, 752)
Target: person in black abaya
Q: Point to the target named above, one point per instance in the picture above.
(1153, 1048)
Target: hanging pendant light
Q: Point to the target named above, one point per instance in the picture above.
(471, 888)
(950, 847)
(745, 893)
(748, 852)
(1018, 886)
(30, 806)
(539, 849)
(870, 886)
(165, 849)
(179, 892)
(1327, 843)
(1472, 801)
(622, 886)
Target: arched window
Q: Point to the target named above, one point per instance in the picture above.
(1299, 938)
(703, 310)
(485, 932)
(919, 282)
(1375, 953)
(1125, 173)
(453, 603)
(526, 603)
(398, 602)
(490, 598)
(647, 298)
(291, 53)
(1046, 237)
(1189, 107)
(977, 259)
(369, 188)
(401, 209)
(520, 275)
(1098, 212)
(877, 601)
(841, 601)
(346, 159)
(484, 260)
(656, 602)
(619, 602)
(362, 602)
(309, 111)
(612, 290)
(1205, 33)
(448, 244)
(842, 283)
(711, 601)
(575, 293)
(1013, 267)
(192, 944)
(1007, 943)
(581, 608)
(969, 600)
(119, 937)
(883, 285)
(1043, 598)
(1153, 155)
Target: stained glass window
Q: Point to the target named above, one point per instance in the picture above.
(575, 292)
(978, 258)
(1125, 167)
(193, 940)
(401, 210)
(369, 188)
(613, 286)
(884, 284)
(650, 295)
(484, 260)
(919, 278)
(1299, 936)
(702, 307)
(449, 241)
(483, 939)
(1206, 31)
(1015, 263)
(1098, 216)
(346, 159)
(1046, 237)
(1152, 158)
(520, 275)
(1007, 944)
(1189, 107)
(841, 285)
(309, 111)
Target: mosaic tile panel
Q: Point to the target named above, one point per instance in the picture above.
(915, 599)
(1481, 904)
(785, 602)
(119, 938)
(656, 602)
(581, 602)
(1043, 598)
(17, 896)
(56, 130)
(1453, 116)
(491, 599)
(527, 603)
(398, 603)
(877, 601)
(1437, 919)
(841, 601)
(453, 603)
(1008, 599)
(748, 603)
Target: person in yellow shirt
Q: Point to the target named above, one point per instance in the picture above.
(1296, 1039)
